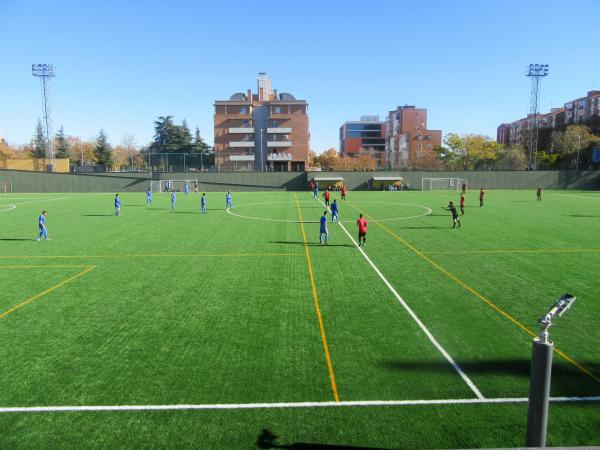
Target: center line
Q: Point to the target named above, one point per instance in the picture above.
(316, 298)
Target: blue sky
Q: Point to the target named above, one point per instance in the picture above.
(121, 64)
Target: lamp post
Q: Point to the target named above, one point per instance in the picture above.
(578, 150)
(541, 371)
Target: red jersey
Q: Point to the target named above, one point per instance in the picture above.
(480, 195)
(344, 190)
(362, 225)
(462, 200)
(327, 195)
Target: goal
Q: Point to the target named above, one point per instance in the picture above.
(170, 185)
(442, 184)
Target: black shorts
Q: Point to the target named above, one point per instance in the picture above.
(454, 216)
(361, 234)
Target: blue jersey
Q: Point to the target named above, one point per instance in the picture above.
(117, 202)
(42, 220)
(203, 201)
(323, 224)
(173, 197)
(149, 194)
(228, 197)
(186, 188)
(334, 209)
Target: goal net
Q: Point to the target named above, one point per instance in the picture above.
(442, 184)
(172, 185)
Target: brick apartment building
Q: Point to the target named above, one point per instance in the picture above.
(365, 136)
(575, 111)
(261, 131)
(409, 143)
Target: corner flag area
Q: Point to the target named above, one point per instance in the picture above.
(167, 327)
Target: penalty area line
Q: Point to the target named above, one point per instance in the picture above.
(289, 405)
(412, 314)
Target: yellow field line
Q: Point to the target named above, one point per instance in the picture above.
(39, 267)
(478, 295)
(544, 250)
(316, 299)
(47, 291)
(182, 255)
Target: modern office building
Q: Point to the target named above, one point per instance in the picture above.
(366, 136)
(409, 143)
(261, 131)
(573, 112)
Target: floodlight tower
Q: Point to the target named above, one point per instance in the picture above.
(535, 72)
(44, 72)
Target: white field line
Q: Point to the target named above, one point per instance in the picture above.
(10, 208)
(412, 314)
(588, 197)
(290, 405)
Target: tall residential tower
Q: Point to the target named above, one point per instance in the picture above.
(261, 131)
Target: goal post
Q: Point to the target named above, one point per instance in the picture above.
(442, 184)
(172, 185)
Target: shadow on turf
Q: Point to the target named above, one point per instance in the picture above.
(567, 380)
(266, 439)
(310, 244)
(16, 239)
(97, 215)
(582, 215)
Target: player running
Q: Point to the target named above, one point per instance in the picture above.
(203, 203)
(481, 194)
(323, 230)
(186, 190)
(462, 204)
(327, 196)
(343, 192)
(539, 194)
(42, 226)
(334, 212)
(173, 199)
(455, 218)
(362, 230)
(148, 197)
(228, 204)
(117, 205)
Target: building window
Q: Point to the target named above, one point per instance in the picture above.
(243, 110)
(277, 110)
(274, 123)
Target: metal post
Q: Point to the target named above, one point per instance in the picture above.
(539, 393)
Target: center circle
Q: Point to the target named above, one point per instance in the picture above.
(425, 209)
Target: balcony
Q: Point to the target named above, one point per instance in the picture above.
(279, 157)
(241, 158)
(279, 143)
(279, 130)
(241, 144)
(241, 130)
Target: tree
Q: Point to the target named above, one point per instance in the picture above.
(164, 135)
(574, 144)
(328, 159)
(38, 143)
(471, 151)
(513, 158)
(184, 138)
(313, 159)
(5, 150)
(61, 145)
(199, 145)
(103, 150)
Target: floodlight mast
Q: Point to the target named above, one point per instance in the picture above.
(44, 72)
(541, 371)
(535, 72)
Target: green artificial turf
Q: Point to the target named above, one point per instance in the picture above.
(164, 307)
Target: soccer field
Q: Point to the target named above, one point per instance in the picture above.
(173, 328)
